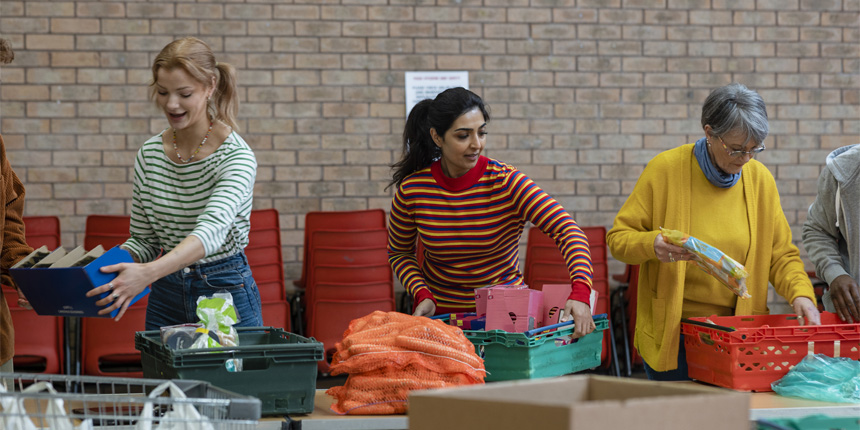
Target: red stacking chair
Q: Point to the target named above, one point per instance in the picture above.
(351, 282)
(276, 314)
(42, 231)
(328, 220)
(348, 277)
(107, 346)
(267, 265)
(543, 272)
(40, 341)
(265, 256)
(545, 265)
(337, 220)
(106, 230)
(624, 302)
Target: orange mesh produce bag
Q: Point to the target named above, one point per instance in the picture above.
(388, 354)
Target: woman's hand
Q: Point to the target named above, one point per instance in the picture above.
(132, 279)
(582, 320)
(22, 300)
(806, 311)
(427, 308)
(668, 253)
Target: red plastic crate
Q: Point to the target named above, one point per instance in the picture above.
(761, 349)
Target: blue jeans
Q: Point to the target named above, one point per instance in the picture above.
(679, 374)
(173, 299)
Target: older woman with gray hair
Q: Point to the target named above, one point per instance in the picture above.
(716, 191)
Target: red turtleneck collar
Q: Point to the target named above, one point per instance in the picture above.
(463, 182)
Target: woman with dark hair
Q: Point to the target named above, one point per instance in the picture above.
(469, 212)
(191, 196)
(716, 191)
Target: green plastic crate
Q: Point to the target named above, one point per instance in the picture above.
(279, 368)
(508, 356)
(811, 422)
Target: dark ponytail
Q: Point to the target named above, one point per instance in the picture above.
(419, 150)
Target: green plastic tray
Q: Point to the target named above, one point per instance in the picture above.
(508, 356)
(279, 367)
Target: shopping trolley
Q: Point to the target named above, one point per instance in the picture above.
(83, 402)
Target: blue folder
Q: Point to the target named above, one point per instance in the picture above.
(62, 291)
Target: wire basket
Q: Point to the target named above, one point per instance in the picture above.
(83, 402)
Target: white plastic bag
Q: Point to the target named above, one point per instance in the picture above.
(182, 416)
(16, 417)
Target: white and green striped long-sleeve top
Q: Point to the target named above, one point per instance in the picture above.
(210, 198)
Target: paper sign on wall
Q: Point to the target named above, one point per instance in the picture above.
(426, 85)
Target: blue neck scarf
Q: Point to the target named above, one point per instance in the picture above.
(711, 171)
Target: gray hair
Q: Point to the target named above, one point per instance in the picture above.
(736, 107)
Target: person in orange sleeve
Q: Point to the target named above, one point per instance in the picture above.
(14, 247)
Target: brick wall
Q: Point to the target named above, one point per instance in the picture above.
(583, 92)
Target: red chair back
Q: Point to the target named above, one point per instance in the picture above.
(265, 255)
(40, 341)
(106, 230)
(338, 220)
(42, 231)
(267, 265)
(107, 346)
(346, 274)
(276, 314)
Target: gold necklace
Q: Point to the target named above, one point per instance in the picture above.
(175, 148)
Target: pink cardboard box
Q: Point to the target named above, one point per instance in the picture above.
(554, 298)
(514, 310)
(482, 293)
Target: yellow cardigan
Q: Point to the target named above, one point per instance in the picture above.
(661, 198)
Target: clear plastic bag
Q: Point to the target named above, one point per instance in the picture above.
(180, 336)
(819, 377)
(15, 415)
(218, 315)
(713, 261)
(183, 416)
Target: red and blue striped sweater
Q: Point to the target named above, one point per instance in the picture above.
(470, 228)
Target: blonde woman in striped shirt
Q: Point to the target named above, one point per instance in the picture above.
(192, 194)
(469, 212)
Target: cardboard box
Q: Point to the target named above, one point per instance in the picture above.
(579, 403)
(514, 310)
(555, 297)
(61, 291)
(482, 293)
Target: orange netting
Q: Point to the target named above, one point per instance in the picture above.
(388, 354)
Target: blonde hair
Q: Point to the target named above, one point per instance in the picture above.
(195, 57)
